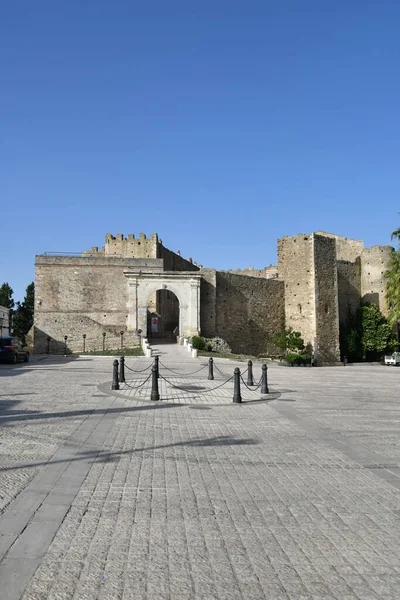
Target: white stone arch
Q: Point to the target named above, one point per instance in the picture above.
(186, 287)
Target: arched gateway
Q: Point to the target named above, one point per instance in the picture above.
(186, 287)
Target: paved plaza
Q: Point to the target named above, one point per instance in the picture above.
(109, 496)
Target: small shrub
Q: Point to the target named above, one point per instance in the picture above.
(198, 342)
(298, 359)
(217, 344)
(287, 339)
(309, 349)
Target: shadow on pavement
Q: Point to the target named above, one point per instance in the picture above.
(101, 456)
(9, 370)
(8, 415)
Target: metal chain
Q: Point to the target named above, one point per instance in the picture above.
(141, 371)
(197, 393)
(250, 388)
(138, 386)
(224, 374)
(179, 372)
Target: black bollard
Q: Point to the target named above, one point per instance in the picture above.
(236, 390)
(122, 369)
(250, 379)
(157, 366)
(210, 368)
(115, 384)
(154, 384)
(264, 380)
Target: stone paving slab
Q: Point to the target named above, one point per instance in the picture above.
(105, 497)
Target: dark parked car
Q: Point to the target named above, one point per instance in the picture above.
(11, 350)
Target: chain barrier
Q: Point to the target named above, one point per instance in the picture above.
(135, 387)
(141, 371)
(219, 370)
(196, 393)
(251, 389)
(179, 372)
(224, 374)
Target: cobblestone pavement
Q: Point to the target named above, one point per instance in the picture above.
(106, 497)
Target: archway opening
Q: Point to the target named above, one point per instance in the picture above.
(163, 315)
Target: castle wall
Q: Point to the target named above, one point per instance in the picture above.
(374, 263)
(131, 247)
(296, 269)
(326, 349)
(175, 262)
(142, 247)
(208, 298)
(83, 295)
(270, 272)
(248, 310)
(349, 288)
(348, 253)
(307, 265)
(320, 279)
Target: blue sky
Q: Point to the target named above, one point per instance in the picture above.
(221, 125)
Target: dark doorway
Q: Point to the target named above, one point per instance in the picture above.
(163, 315)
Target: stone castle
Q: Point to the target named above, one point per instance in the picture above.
(136, 287)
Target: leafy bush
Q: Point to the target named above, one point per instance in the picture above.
(198, 342)
(288, 339)
(298, 359)
(217, 344)
(377, 334)
(367, 334)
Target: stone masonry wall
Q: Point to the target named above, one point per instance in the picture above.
(326, 348)
(270, 272)
(296, 269)
(175, 262)
(349, 288)
(142, 247)
(348, 253)
(83, 295)
(374, 263)
(248, 310)
(208, 296)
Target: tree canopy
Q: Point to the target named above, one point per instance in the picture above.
(367, 334)
(393, 283)
(23, 315)
(6, 296)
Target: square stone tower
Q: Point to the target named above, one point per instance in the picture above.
(307, 264)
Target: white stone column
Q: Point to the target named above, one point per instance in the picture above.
(131, 305)
(194, 307)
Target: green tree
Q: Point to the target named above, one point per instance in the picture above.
(287, 339)
(392, 276)
(6, 296)
(23, 316)
(376, 332)
(6, 299)
(294, 341)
